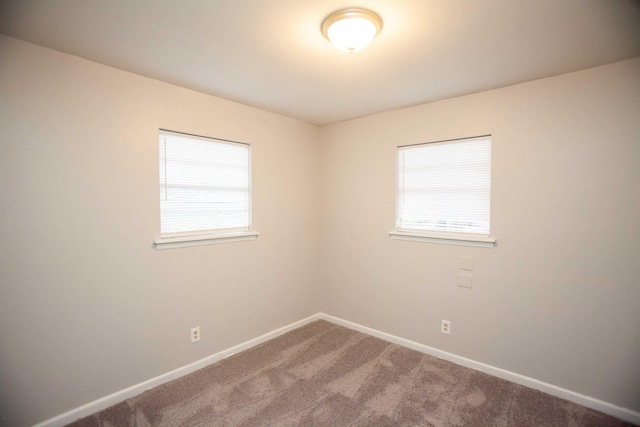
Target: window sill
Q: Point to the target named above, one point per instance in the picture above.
(444, 238)
(203, 239)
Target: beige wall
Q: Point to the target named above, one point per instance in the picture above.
(87, 306)
(557, 299)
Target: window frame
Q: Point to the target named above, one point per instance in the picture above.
(179, 239)
(440, 236)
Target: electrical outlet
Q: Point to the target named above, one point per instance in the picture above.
(195, 334)
(446, 327)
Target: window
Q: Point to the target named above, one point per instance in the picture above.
(205, 190)
(444, 191)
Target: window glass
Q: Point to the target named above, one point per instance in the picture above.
(205, 185)
(445, 186)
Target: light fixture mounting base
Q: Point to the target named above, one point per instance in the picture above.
(351, 13)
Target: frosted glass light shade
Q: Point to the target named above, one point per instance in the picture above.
(351, 30)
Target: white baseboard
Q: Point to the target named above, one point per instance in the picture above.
(580, 399)
(117, 397)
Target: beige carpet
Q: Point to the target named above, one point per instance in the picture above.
(326, 375)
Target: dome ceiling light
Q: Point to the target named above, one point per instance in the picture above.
(351, 30)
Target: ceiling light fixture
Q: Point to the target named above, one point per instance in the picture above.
(352, 29)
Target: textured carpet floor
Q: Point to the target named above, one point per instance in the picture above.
(326, 375)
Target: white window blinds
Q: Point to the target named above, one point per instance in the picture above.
(445, 186)
(204, 185)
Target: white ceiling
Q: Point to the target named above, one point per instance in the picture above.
(271, 54)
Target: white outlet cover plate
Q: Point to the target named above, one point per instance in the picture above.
(195, 334)
(445, 328)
